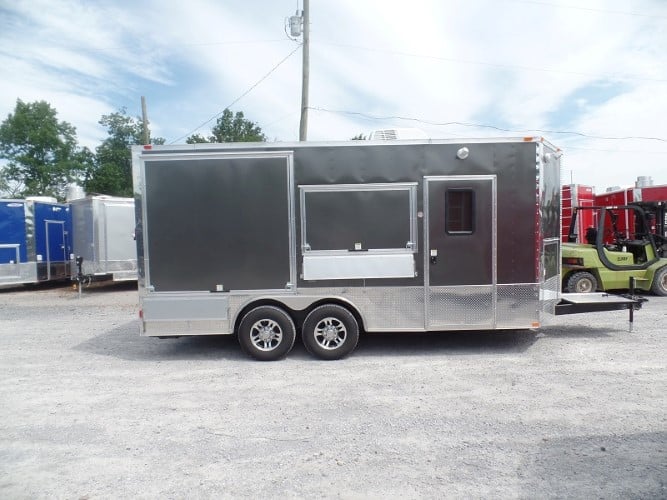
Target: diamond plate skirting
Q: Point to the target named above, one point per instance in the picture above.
(517, 306)
(550, 294)
(447, 308)
(461, 307)
(382, 308)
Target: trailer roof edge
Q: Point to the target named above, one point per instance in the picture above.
(305, 144)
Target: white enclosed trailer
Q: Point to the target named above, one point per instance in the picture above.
(104, 237)
(330, 239)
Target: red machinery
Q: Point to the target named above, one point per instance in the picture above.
(653, 199)
(577, 195)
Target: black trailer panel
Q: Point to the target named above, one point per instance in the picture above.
(218, 223)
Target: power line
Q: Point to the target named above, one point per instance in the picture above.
(191, 44)
(278, 120)
(631, 151)
(241, 96)
(493, 65)
(481, 125)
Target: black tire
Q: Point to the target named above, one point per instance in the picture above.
(581, 282)
(330, 332)
(659, 285)
(266, 333)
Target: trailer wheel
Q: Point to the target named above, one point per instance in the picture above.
(266, 333)
(330, 332)
(582, 282)
(659, 285)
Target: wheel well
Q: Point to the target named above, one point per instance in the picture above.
(330, 300)
(258, 303)
(298, 316)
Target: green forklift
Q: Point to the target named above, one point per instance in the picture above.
(619, 252)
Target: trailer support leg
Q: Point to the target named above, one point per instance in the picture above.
(79, 274)
(632, 306)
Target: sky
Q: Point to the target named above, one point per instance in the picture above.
(588, 75)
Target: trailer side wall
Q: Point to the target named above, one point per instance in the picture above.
(411, 236)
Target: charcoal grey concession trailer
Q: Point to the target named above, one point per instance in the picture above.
(264, 240)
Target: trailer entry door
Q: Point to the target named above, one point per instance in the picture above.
(460, 251)
(117, 222)
(55, 248)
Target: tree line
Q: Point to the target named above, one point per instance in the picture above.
(42, 155)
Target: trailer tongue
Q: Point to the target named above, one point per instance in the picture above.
(577, 303)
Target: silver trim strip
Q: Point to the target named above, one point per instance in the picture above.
(202, 147)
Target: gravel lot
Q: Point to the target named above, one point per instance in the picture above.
(89, 409)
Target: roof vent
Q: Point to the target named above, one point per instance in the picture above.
(74, 192)
(393, 134)
(383, 135)
(644, 181)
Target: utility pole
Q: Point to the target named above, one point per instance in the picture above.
(305, 70)
(144, 122)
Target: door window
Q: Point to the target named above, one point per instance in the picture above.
(459, 211)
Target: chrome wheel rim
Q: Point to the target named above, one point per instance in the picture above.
(330, 333)
(266, 334)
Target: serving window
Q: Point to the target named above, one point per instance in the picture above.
(358, 231)
(359, 217)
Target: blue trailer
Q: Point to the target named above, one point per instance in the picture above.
(35, 241)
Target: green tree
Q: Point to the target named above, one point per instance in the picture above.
(359, 137)
(41, 151)
(196, 139)
(111, 172)
(231, 127)
(5, 189)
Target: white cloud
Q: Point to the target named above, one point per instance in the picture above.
(516, 64)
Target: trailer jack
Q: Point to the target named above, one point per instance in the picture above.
(638, 302)
(80, 278)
